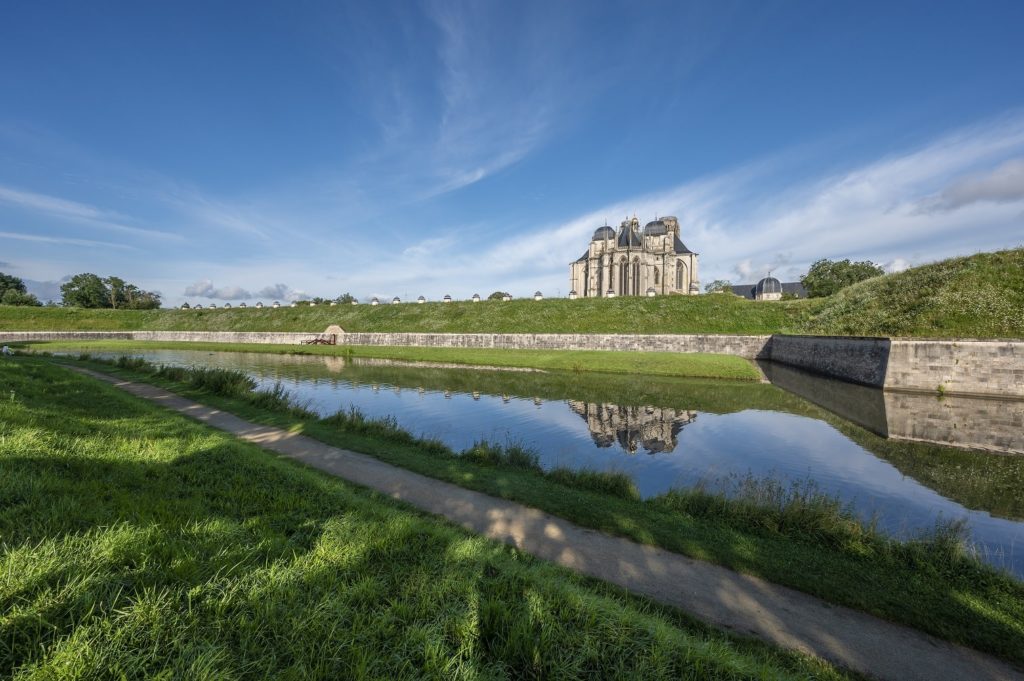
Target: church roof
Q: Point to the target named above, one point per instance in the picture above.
(605, 232)
(583, 258)
(749, 291)
(655, 228)
(680, 247)
(628, 238)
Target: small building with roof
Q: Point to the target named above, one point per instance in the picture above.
(770, 288)
(631, 261)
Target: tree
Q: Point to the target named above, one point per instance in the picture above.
(9, 282)
(13, 291)
(826, 277)
(13, 296)
(345, 299)
(88, 290)
(498, 295)
(84, 290)
(718, 286)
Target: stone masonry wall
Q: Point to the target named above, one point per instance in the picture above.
(968, 367)
(853, 359)
(749, 347)
(961, 367)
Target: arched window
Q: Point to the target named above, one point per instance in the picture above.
(636, 276)
(680, 274)
(600, 277)
(586, 280)
(623, 277)
(657, 276)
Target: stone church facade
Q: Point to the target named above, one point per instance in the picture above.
(634, 262)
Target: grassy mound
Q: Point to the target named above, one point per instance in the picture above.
(980, 296)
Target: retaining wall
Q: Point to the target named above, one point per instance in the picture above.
(853, 359)
(972, 367)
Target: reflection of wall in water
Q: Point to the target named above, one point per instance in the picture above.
(956, 420)
(977, 423)
(656, 429)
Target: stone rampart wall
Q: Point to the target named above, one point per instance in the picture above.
(960, 367)
(853, 359)
(750, 347)
(966, 367)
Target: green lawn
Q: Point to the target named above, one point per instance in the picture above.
(135, 543)
(798, 539)
(695, 365)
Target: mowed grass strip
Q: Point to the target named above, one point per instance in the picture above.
(686, 365)
(135, 543)
(791, 536)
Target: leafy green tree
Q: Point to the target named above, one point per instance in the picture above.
(826, 277)
(498, 295)
(13, 291)
(9, 282)
(84, 290)
(15, 297)
(89, 290)
(718, 286)
(345, 299)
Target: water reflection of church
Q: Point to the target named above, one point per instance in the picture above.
(656, 429)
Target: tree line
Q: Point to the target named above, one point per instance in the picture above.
(84, 290)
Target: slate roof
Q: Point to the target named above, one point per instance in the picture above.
(749, 291)
(680, 247)
(629, 238)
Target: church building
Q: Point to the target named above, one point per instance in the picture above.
(634, 262)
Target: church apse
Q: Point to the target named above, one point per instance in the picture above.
(630, 261)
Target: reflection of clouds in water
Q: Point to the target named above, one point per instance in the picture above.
(693, 447)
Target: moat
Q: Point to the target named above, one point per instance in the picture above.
(907, 461)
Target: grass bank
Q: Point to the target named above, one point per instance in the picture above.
(139, 544)
(794, 536)
(694, 365)
(978, 296)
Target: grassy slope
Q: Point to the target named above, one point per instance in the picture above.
(978, 296)
(675, 314)
(981, 296)
(136, 543)
(931, 588)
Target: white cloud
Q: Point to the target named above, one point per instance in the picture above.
(46, 290)
(62, 240)
(77, 212)
(897, 265)
(1003, 184)
(206, 289)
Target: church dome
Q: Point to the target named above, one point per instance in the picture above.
(605, 232)
(768, 285)
(655, 228)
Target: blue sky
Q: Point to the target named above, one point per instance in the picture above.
(248, 151)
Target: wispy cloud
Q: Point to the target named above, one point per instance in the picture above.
(1002, 184)
(205, 289)
(63, 240)
(742, 231)
(77, 212)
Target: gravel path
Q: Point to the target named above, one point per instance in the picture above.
(740, 603)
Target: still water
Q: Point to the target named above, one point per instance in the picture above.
(666, 432)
